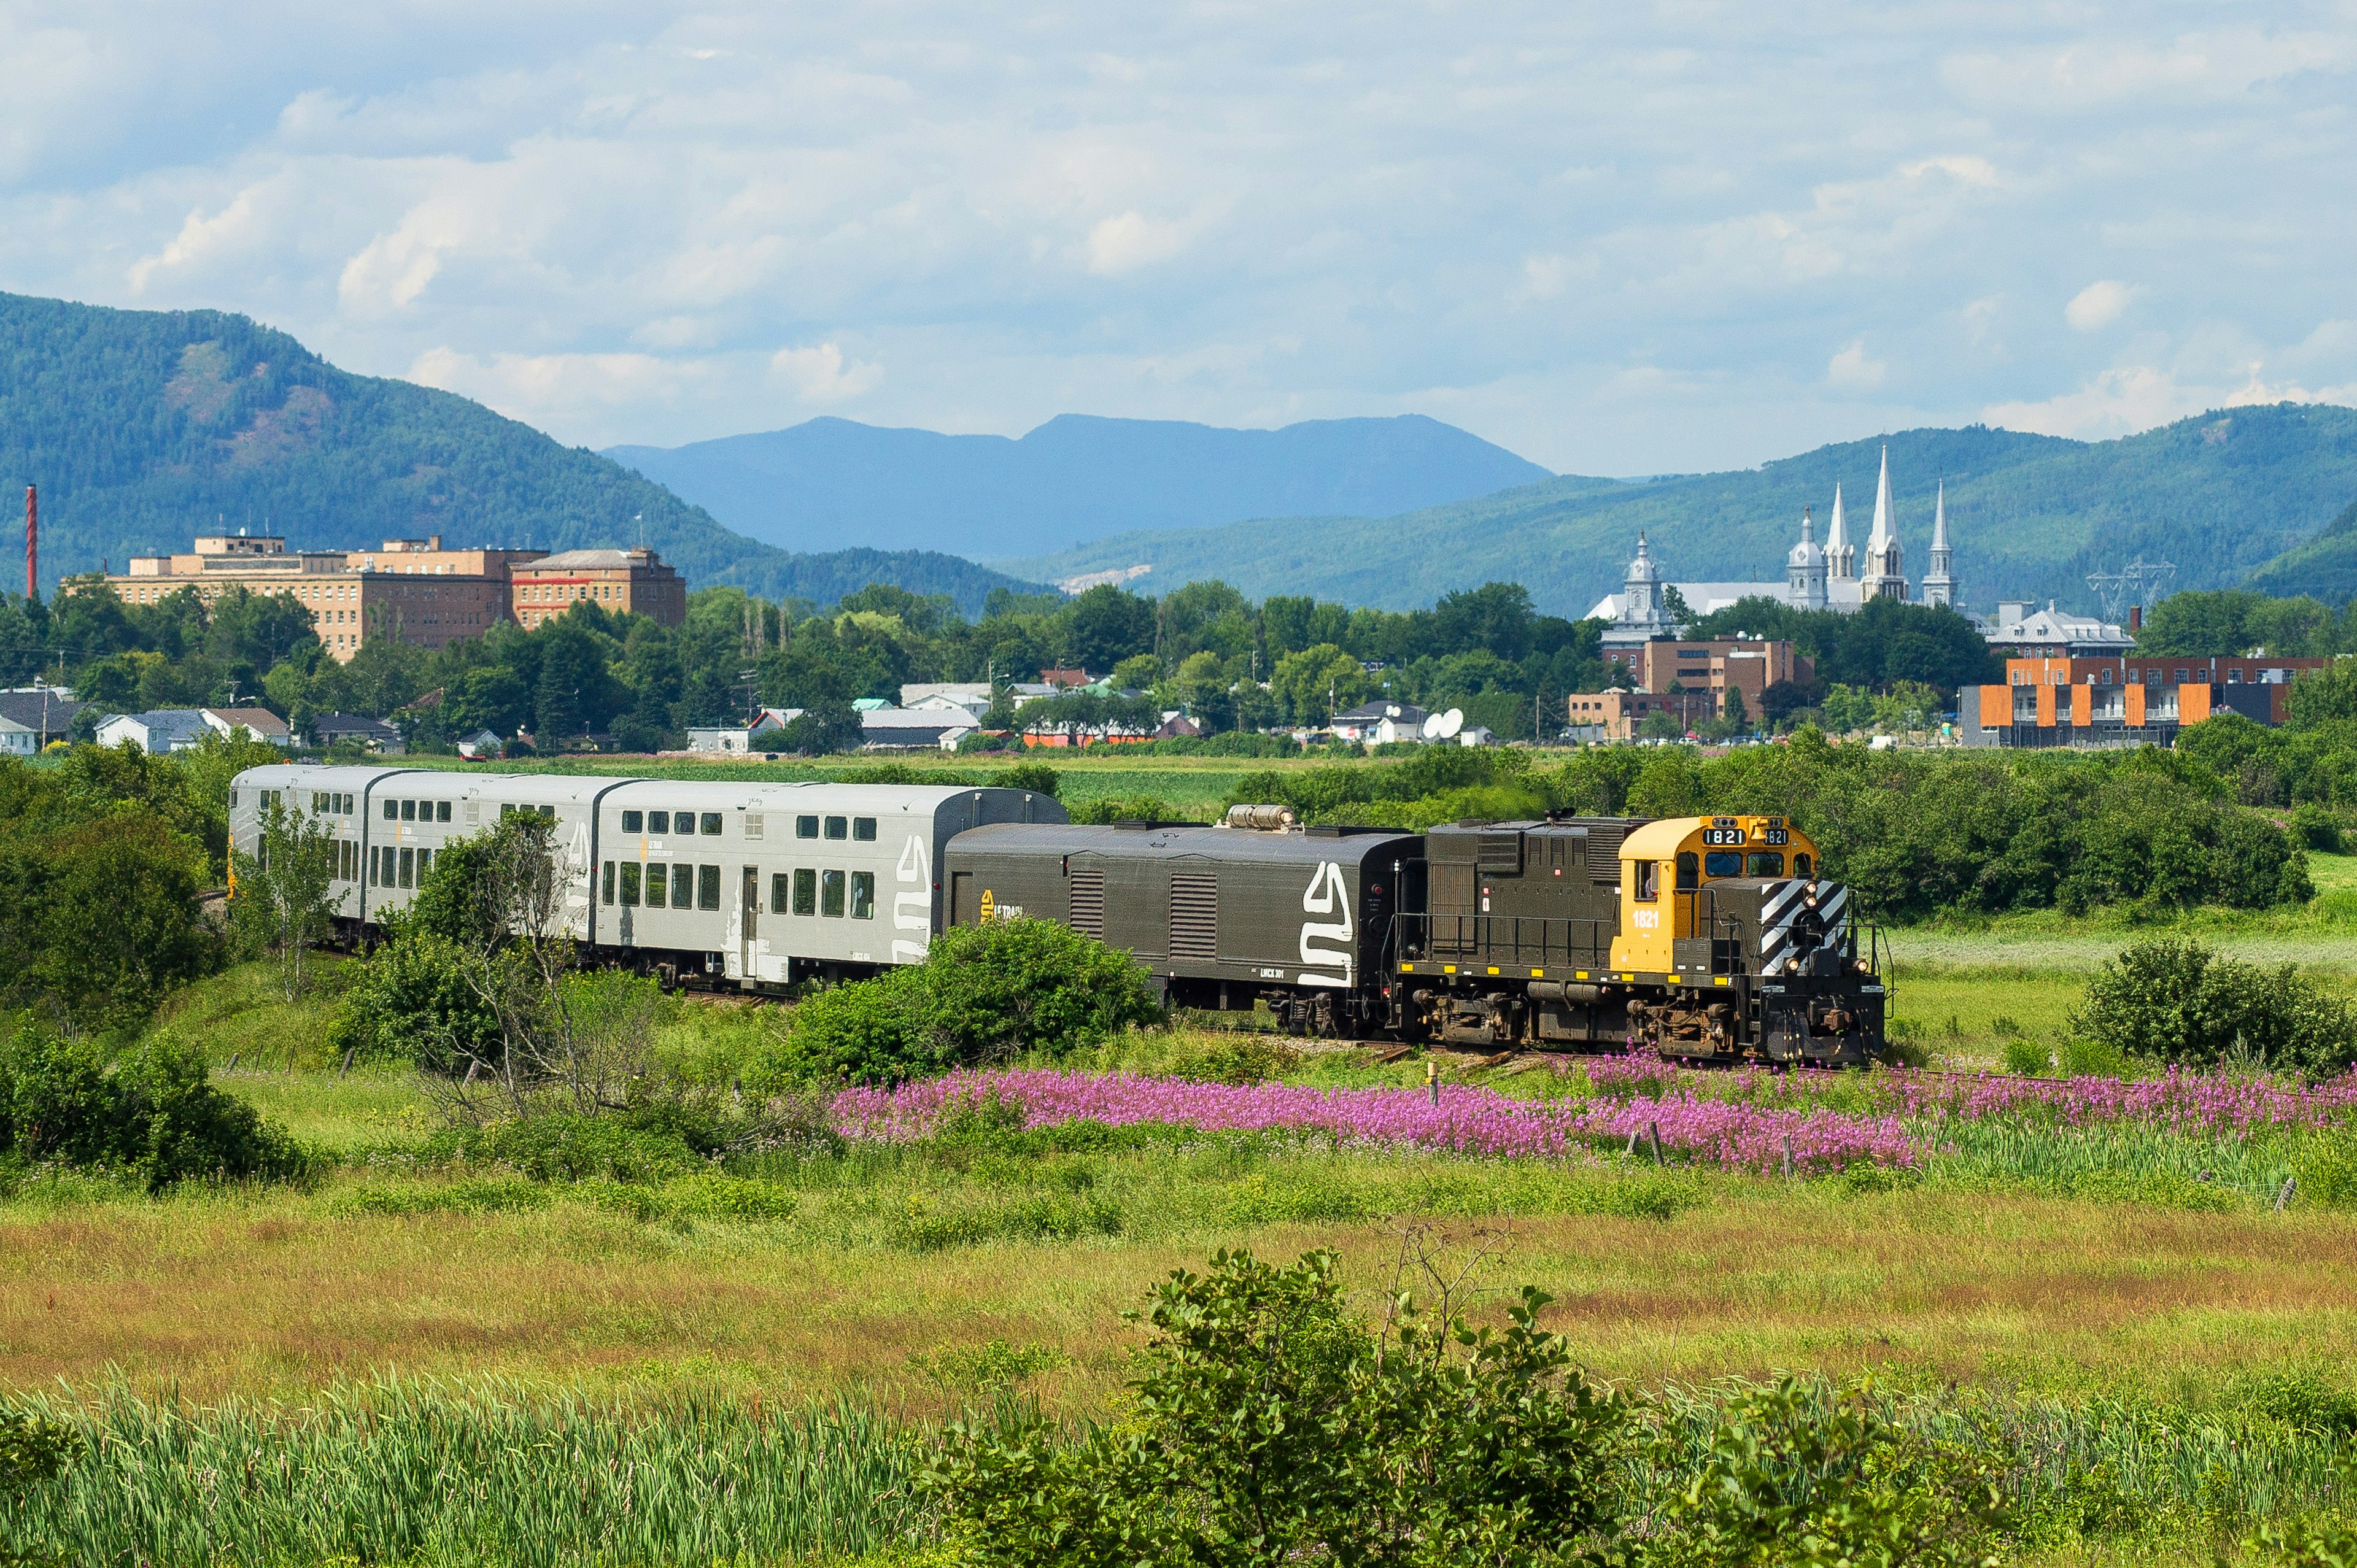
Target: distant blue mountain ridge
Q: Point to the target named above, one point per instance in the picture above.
(832, 484)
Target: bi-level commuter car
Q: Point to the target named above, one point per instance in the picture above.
(761, 884)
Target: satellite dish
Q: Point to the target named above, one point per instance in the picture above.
(1450, 723)
(1431, 727)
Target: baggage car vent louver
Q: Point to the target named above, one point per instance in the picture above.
(1088, 903)
(1499, 852)
(1604, 852)
(1194, 915)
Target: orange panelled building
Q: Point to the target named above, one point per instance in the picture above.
(2129, 700)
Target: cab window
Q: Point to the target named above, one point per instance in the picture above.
(1723, 863)
(1802, 866)
(1688, 877)
(1649, 880)
(1767, 862)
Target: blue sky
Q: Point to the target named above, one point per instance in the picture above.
(1618, 238)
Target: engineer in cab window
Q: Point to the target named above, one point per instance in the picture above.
(1649, 881)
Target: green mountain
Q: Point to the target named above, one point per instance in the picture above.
(143, 428)
(2220, 496)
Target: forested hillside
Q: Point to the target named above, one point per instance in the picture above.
(2030, 516)
(145, 427)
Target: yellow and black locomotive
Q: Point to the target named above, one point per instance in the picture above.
(1698, 936)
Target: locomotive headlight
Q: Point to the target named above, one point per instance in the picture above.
(1810, 898)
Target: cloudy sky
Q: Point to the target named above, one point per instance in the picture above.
(1618, 238)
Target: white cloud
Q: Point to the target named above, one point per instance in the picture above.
(1851, 369)
(2097, 306)
(823, 374)
(2130, 398)
(1224, 214)
(1130, 241)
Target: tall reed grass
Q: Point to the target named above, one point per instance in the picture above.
(416, 1472)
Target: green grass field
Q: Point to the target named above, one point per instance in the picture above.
(731, 1317)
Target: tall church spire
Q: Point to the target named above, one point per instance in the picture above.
(1841, 556)
(1886, 575)
(1804, 570)
(1939, 585)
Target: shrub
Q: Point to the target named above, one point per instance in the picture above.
(1270, 1426)
(2316, 828)
(1244, 1060)
(1125, 809)
(411, 1002)
(984, 994)
(2178, 1002)
(2027, 1058)
(155, 1114)
(2326, 1169)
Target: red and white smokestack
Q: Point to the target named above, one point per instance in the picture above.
(32, 543)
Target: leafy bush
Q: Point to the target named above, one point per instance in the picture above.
(2178, 1002)
(1125, 809)
(1270, 1426)
(984, 993)
(573, 1148)
(2326, 1169)
(155, 1114)
(1243, 1060)
(2027, 1058)
(2316, 828)
(411, 1002)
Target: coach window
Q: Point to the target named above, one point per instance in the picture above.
(805, 892)
(409, 810)
(838, 827)
(863, 894)
(1688, 877)
(805, 827)
(707, 887)
(441, 810)
(1649, 880)
(830, 900)
(684, 823)
(392, 809)
(864, 828)
(711, 829)
(1802, 866)
(634, 822)
(1767, 862)
(683, 886)
(408, 868)
(631, 885)
(425, 864)
(656, 881)
(609, 882)
(1723, 863)
(657, 821)
(779, 885)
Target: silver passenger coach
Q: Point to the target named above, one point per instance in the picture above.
(756, 882)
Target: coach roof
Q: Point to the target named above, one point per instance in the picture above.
(1179, 842)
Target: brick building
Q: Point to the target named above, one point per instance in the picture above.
(410, 590)
(1618, 714)
(2122, 700)
(620, 580)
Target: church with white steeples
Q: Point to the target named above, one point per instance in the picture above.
(1834, 576)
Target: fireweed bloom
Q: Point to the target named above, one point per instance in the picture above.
(1466, 1120)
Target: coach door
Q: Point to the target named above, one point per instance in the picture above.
(748, 900)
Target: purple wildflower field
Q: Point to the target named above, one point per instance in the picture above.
(1742, 1121)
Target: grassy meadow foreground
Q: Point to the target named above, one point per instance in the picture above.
(746, 1356)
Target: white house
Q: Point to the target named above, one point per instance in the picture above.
(17, 740)
(763, 734)
(1379, 723)
(259, 724)
(158, 732)
(973, 696)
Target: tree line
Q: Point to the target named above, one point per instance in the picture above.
(1203, 648)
